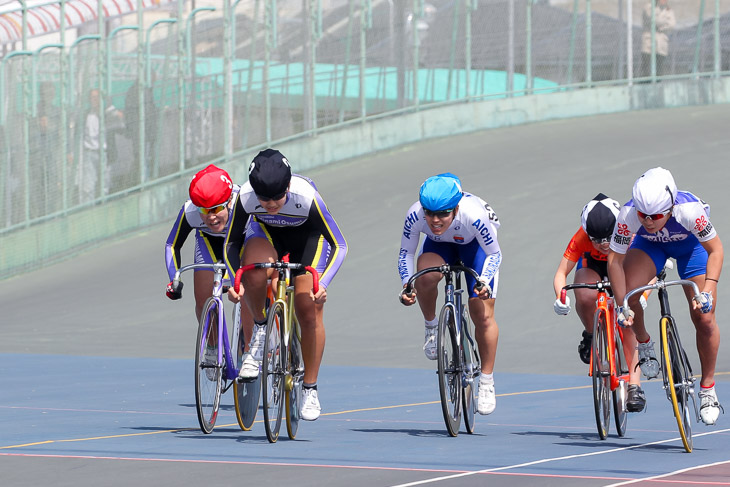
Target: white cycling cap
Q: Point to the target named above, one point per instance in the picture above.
(655, 191)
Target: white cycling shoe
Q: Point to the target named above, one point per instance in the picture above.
(709, 406)
(310, 405)
(487, 402)
(429, 347)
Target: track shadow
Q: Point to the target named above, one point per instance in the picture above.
(591, 440)
(421, 433)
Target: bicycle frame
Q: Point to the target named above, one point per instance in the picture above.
(661, 286)
(459, 366)
(677, 378)
(283, 329)
(605, 304)
(225, 356)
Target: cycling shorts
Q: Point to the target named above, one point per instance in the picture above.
(209, 250)
(600, 267)
(305, 246)
(471, 255)
(691, 257)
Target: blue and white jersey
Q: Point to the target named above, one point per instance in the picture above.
(689, 223)
(475, 219)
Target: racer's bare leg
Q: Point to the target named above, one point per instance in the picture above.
(427, 285)
(707, 334)
(311, 321)
(486, 331)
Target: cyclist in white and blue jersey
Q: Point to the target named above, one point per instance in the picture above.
(669, 223)
(458, 226)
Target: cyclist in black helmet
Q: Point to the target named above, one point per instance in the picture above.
(588, 250)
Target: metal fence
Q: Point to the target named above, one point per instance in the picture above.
(131, 100)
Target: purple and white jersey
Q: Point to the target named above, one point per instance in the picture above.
(189, 219)
(474, 220)
(690, 220)
(304, 209)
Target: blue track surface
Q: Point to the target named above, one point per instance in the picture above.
(383, 424)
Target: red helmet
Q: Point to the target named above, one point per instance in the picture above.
(210, 187)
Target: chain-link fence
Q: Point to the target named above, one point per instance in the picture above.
(130, 100)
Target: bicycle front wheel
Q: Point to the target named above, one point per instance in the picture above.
(273, 371)
(245, 394)
(470, 374)
(294, 384)
(448, 371)
(678, 380)
(601, 372)
(621, 391)
(208, 378)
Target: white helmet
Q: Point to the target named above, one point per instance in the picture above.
(655, 191)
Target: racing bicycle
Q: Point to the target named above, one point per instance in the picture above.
(459, 366)
(608, 366)
(215, 369)
(282, 370)
(677, 378)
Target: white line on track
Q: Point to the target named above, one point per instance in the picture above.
(669, 474)
(556, 459)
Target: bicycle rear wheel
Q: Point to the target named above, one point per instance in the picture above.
(208, 379)
(273, 371)
(678, 380)
(601, 372)
(448, 371)
(470, 375)
(245, 394)
(294, 381)
(620, 415)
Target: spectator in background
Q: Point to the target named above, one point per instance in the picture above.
(664, 23)
(44, 166)
(87, 169)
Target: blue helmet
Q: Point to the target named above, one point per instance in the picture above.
(440, 193)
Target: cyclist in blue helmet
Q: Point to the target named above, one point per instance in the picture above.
(458, 226)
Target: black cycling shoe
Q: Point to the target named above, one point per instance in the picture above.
(635, 399)
(584, 347)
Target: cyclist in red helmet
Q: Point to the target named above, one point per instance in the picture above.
(208, 213)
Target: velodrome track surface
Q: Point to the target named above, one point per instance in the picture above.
(97, 372)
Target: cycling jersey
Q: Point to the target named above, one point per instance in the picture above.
(680, 238)
(581, 244)
(688, 224)
(208, 244)
(475, 220)
(303, 227)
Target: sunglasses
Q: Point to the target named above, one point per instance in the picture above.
(274, 198)
(658, 216)
(600, 241)
(215, 209)
(440, 214)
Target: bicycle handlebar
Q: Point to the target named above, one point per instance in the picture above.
(279, 265)
(663, 284)
(599, 286)
(443, 269)
(177, 284)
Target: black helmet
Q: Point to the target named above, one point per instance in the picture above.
(269, 173)
(599, 216)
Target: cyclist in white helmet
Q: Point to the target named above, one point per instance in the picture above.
(669, 223)
(588, 251)
(458, 226)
